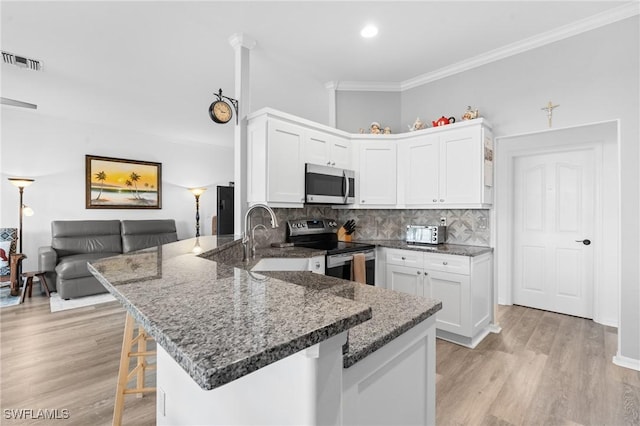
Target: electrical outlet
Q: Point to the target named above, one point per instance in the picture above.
(482, 223)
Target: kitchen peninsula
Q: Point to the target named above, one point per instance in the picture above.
(238, 347)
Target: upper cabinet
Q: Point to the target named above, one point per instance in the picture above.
(449, 169)
(327, 149)
(278, 146)
(442, 167)
(377, 178)
(275, 167)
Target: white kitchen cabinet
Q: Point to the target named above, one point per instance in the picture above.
(327, 149)
(462, 283)
(446, 169)
(405, 279)
(274, 159)
(453, 291)
(377, 173)
(436, 168)
(419, 168)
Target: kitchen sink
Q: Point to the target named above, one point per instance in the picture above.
(281, 264)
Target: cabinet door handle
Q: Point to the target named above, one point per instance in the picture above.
(403, 258)
(442, 200)
(435, 200)
(333, 163)
(445, 263)
(328, 163)
(362, 201)
(418, 272)
(426, 273)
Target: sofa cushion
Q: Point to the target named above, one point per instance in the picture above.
(71, 237)
(141, 234)
(75, 266)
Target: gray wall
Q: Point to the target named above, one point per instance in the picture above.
(356, 110)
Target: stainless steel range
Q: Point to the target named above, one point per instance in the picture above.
(322, 234)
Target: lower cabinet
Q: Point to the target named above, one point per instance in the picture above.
(405, 279)
(462, 283)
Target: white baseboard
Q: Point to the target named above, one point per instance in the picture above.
(625, 362)
(609, 322)
(495, 328)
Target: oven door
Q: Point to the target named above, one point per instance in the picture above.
(339, 265)
(329, 185)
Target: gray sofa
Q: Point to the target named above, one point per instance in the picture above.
(76, 242)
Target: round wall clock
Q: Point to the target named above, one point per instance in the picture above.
(220, 112)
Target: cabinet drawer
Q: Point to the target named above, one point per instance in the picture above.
(448, 263)
(404, 257)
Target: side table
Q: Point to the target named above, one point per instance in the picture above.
(27, 280)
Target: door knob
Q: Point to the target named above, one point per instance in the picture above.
(585, 242)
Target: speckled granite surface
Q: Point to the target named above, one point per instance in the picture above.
(218, 322)
(393, 313)
(456, 249)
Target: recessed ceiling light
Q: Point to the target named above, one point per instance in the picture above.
(369, 31)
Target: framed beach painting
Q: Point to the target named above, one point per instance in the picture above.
(116, 183)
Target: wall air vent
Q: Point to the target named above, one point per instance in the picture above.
(21, 61)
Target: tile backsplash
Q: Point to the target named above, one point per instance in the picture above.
(468, 227)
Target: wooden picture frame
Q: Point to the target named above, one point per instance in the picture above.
(117, 183)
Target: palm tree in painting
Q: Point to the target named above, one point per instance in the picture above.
(100, 176)
(135, 178)
(128, 183)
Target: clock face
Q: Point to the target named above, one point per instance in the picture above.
(220, 112)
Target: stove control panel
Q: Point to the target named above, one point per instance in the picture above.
(311, 226)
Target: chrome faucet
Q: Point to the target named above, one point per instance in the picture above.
(247, 237)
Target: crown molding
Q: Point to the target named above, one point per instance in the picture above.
(363, 86)
(596, 21)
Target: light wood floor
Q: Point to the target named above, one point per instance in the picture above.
(543, 369)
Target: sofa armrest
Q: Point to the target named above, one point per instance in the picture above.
(47, 259)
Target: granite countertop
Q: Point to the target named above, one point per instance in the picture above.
(455, 249)
(393, 313)
(219, 322)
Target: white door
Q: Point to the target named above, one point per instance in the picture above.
(553, 215)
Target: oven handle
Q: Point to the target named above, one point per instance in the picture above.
(342, 259)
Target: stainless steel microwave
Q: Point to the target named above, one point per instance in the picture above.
(329, 185)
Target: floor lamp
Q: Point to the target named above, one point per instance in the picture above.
(21, 183)
(197, 192)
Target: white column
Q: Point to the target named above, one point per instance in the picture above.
(241, 45)
(332, 86)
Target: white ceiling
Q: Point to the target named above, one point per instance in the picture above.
(150, 66)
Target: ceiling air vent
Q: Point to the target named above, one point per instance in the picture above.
(21, 61)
